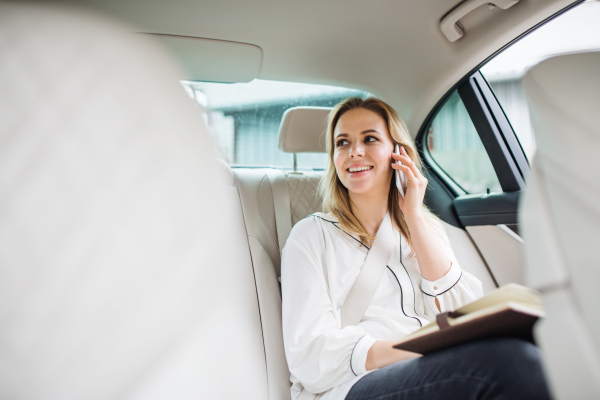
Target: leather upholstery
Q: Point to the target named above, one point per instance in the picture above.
(560, 219)
(302, 130)
(257, 201)
(124, 264)
(259, 209)
(304, 199)
(502, 250)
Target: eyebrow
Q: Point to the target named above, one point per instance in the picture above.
(362, 133)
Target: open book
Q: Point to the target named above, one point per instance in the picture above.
(509, 311)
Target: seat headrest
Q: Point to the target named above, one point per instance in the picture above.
(303, 130)
(567, 84)
(563, 94)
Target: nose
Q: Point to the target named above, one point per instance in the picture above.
(357, 150)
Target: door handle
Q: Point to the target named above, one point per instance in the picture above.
(449, 24)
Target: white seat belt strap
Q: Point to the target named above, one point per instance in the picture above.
(366, 282)
(281, 203)
(370, 274)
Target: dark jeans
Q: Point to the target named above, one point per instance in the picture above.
(487, 369)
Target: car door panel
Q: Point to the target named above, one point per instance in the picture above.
(502, 250)
(487, 209)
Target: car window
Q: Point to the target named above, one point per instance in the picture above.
(244, 118)
(576, 30)
(454, 144)
(452, 139)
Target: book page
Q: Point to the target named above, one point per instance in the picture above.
(511, 292)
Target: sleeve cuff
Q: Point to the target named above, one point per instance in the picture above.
(443, 284)
(358, 358)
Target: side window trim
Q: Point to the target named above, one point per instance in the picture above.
(484, 119)
(504, 125)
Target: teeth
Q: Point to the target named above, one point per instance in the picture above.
(359, 169)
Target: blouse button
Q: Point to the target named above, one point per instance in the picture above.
(435, 288)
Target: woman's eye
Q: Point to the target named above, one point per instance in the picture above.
(370, 139)
(341, 142)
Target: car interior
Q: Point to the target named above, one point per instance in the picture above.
(142, 246)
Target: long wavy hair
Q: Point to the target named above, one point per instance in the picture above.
(335, 195)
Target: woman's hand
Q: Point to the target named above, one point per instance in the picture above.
(382, 354)
(412, 203)
(433, 262)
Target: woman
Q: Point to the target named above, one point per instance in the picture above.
(325, 253)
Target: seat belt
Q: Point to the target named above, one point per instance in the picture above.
(281, 203)
(366, 282)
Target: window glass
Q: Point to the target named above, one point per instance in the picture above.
(456, 147)
(576, 30)
(244, 118)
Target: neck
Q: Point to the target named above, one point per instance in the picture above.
(370, 208)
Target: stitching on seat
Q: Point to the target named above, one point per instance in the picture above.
(304, 198)
(260, 313)
(260, 211)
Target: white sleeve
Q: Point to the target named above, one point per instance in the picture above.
(454, 289)
(320, 354)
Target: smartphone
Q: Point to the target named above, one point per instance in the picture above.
(400, 177)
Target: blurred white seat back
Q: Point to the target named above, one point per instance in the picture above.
(560, 219)
(115, 278)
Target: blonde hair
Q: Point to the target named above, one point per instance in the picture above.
(335, 195)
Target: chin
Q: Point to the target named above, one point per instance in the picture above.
(359, 188)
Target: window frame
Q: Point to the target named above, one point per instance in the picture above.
(511, 143)
(496, 133)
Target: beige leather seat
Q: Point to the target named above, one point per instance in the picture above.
(120, 278)
(560, 219)
(272, 202)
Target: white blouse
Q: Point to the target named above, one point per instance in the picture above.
(320, 263)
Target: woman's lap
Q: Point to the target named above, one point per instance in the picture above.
(487, 369)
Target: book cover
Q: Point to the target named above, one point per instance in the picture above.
(510, 311)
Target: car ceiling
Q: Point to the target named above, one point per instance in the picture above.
(391, 48)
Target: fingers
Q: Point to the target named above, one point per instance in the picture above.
(410, 175)
(406, 160)
(410, 162)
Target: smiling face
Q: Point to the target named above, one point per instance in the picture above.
(362, 152)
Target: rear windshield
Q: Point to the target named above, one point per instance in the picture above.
(244, 118)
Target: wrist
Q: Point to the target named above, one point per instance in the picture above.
(371, 362)
(377, 354)
(415, 215)
(382, 353)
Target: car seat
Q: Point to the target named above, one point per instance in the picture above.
(560, 219)
(124, 264)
